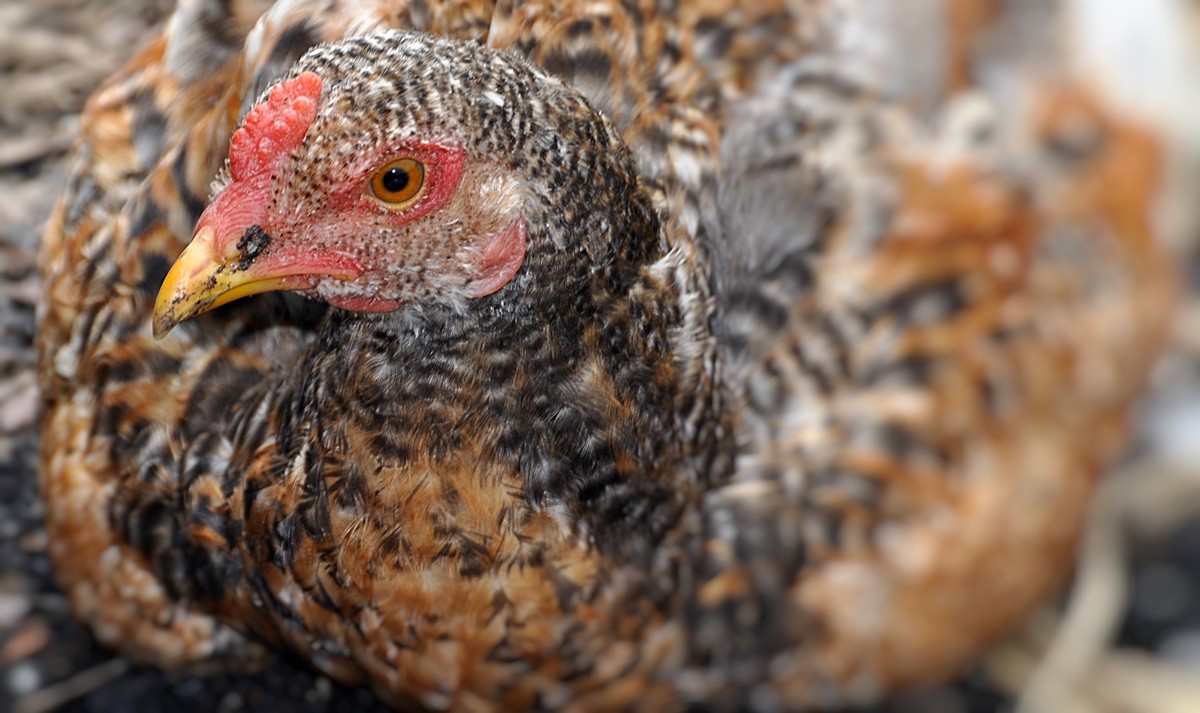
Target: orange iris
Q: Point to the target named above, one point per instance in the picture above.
(398, 183)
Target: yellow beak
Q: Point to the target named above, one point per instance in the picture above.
(203, 279)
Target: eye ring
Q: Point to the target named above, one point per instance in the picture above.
(399, 183)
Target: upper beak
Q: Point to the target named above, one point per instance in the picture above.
(203, 278)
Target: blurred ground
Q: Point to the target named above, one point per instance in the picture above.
(1126, 637)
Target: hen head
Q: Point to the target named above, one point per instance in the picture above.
(386, 170)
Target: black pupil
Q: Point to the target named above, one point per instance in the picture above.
(395, 180)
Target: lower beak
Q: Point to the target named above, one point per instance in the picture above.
(203, 279)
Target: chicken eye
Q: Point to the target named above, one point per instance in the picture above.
(398, 183)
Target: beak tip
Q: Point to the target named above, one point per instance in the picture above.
(165, 315)
(179, 296)
(163, 324)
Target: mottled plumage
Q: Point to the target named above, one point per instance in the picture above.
(795, 399)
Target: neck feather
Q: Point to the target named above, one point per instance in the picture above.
(563, 378)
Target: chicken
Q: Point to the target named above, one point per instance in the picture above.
(581, 355)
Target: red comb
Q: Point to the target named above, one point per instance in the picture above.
(275, 126)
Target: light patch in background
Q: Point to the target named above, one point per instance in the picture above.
(1147, 54)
